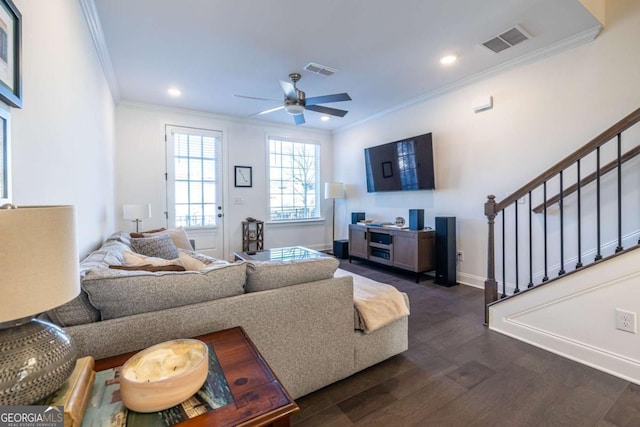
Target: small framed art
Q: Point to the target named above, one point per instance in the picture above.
(243, 176)
(5, 156)
(10, 54)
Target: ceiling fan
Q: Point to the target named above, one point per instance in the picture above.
(295, 101)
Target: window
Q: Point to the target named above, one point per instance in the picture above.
(294, 172)
(193, 177)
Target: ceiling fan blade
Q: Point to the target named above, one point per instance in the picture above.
(327, 110)
(325, 99)
(270, 110)
(257, 98)
(299, 119)
(289, 90)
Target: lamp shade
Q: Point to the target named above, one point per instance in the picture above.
(333, 190)
(38, 260)
(133, 212)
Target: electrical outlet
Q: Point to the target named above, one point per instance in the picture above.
(460, 256)
(626, 321)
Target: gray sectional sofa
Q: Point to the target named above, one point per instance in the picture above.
(299, 316)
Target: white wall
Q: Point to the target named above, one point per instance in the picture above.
(140, 168)
(542, 112)
(63, 139)
(576, 318)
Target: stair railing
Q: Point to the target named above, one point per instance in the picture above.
(556, 175)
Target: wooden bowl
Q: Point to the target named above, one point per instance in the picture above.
(164, 375)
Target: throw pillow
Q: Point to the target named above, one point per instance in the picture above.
(178, 235)
(159, 246)
(194, 261)
(148, 232)
(148, 267)
(133, 259)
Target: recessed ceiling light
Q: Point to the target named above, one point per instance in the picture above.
(174, 92)
(448, 60)
(325, 118)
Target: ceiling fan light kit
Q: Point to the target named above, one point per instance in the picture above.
(296, 102)
(293, 108)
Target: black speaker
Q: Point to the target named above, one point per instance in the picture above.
(416, 219)
(446, 251)
(341, 249)
(357, 217)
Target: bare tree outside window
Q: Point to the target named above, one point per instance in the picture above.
(293, 178)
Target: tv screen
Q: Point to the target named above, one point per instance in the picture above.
(401, 165)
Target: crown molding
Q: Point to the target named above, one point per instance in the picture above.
(95, 28)
(537, 55)
(226, 117)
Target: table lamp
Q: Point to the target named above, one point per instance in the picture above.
(333, 190)
(136, 213)
(38, 272)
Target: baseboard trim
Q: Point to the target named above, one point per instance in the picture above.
(471, 280)
(594, 357)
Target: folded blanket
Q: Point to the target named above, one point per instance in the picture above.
(377, 304)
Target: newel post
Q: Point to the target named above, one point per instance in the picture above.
(490, 285)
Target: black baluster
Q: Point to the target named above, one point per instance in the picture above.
(504, 280)
(530, 285)
(561, 202)
(619, 248)
(579, 263)
(516, 221)
(544, 194)
(598, 254)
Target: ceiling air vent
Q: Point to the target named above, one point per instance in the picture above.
(507, 39)
(320, 69)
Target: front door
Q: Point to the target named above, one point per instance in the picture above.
(194, 186)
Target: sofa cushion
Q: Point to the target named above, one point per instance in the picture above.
(178, 235)
(78, 311)
(194, 261)
(264, 275)
(158, 246)
(118, 293)
(148, 267)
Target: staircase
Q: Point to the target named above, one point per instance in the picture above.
(571, 232)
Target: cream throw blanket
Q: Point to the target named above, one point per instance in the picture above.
(377, 304)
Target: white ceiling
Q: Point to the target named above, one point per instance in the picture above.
(387, 52)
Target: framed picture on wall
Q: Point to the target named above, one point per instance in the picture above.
(10, 54)
(5, 156)
(243, 176)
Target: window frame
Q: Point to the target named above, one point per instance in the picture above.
(317, 146)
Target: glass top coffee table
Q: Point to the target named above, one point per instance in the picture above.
(280, 254)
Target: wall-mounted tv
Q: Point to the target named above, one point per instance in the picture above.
(401, 165)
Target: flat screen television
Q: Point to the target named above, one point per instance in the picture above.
(401, 165)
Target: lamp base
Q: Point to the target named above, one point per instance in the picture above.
(36, 358)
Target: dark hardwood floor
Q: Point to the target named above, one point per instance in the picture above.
(458, 373)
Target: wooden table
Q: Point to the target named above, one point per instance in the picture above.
(259, 398)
